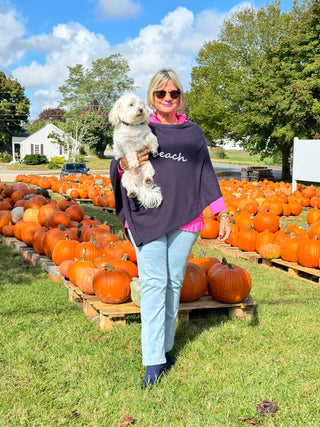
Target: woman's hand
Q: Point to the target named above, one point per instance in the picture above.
(142, 156)
(224, 229)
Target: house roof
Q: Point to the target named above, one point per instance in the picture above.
(44, 132)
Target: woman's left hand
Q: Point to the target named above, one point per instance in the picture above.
(224, 230)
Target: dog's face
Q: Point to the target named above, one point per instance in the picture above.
(129, 108)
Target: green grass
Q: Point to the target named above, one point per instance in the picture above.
(93, 163)
(59, 369)
(240, 157)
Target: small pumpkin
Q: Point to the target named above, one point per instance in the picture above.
(270, 251)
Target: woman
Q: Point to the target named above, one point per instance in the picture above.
(163, 237)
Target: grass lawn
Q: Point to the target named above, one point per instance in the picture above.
(59, 369)
(240, 157)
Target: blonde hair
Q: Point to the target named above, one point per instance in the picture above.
(161, 78)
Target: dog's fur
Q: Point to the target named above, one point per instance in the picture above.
(130, 118)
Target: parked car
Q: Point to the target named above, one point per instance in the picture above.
(74, 169)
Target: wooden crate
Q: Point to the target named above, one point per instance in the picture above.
(227, 249)
(108, 315)
(294, 269)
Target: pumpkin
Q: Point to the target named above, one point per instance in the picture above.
(246, 239)
(75, 212)
(288, 250)
(210, 230)
(112, 285)
(266, 221)
(113, 250)
(269, 251)
(8, 230)
(58, 218)
(308, 252)
(37, 240)
(5, 218)
(17, 214)
(313, 215)
(204, 262)
(28, 231)
(84, 279)
(75, 266)
(45, 212)
(194, 284)
(126, 264)
(264, 238)
(64, 250)
(31, 215)
(228, 283)
(53, 236)
(64, 267)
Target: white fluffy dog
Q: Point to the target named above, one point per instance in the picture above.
(130, 118)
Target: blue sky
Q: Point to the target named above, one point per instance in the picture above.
(39, 40)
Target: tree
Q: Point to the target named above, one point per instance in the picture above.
(14, 107)
(100, 85)
(54, 115)
(88, 95)
(259, 82)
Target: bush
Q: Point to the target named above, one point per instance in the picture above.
(35, 159)
(58, 160)
(52, 165)
(218, 153)
(5, 157)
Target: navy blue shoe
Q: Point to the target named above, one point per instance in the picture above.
(153, 374)
(169, 362)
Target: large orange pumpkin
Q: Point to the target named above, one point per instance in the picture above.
(228, 283)
(112, 285)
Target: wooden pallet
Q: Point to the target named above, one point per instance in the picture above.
(294, 269)
(108, 315)
(233, 251)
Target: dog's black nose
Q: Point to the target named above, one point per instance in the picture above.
(140, 110)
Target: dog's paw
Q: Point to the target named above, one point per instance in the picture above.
(132, 194)
(148, 181)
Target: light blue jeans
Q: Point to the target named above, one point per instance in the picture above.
(162, 264)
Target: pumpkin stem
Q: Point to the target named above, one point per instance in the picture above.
(108, 267)
(224, 261)
(202, 254)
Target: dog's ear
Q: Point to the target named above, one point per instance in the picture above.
(113, 116)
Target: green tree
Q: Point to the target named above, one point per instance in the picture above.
(14, 107)
(264, 82)
(100, 85)
(53, 115)
(88, 95)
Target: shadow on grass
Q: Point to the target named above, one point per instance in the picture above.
(202, 320)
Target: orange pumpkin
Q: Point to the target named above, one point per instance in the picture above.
(112, 285)
(194, 284)
(228, 283)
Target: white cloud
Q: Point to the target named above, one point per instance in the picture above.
(12, 28)
(68, 45)
(173, 43)
(118, 8)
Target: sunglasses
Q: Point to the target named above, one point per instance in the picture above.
(162, 93)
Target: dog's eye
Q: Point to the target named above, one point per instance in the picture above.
(131, 105)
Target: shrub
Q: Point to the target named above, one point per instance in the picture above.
(35, 159)
(5, 157)
(57, 160)
(218, 153)
(53, 165)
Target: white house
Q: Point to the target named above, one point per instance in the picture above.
(38, 143)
